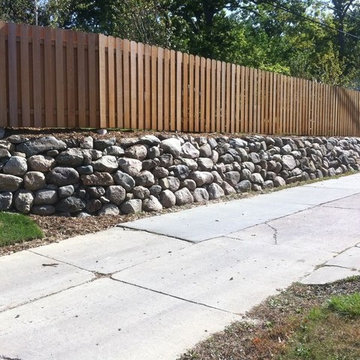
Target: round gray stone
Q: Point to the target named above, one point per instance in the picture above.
(116, 194)
(34, 180)
(23, 201)
(16, 166)
(151, 204)
(61, 176)
(167, 199)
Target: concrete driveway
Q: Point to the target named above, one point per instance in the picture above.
(154, 287)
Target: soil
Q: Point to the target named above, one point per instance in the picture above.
(267, 328)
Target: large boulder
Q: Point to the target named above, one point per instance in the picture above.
(116, 194)
(109, 209)
(10, 182)
(16, 166)
(137, 151)
(132, 206)
(145, 178)
(200, 195)
(202, 177)
(288, 161)
(6, 199)
(41, 163)
(34, 180)
(97, 179)
(124, 179)
(41, 145)
(61, 176)
(167, 199)
(151, 204)
(188, 150)
(71, 157)
(71, 204)
(43, 210)
(107, 163)
(130, 166)
(215, 191)
(45, 197)
(232, 177)
(172, 146)
(183, 196)
(23, 201)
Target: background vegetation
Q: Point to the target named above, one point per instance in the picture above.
(313, 39)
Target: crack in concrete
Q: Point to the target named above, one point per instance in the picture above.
(128, 228)
(3, 357)
(176, 297)
(340, 207)
(275, 232)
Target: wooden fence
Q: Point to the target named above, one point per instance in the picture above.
(67, 79)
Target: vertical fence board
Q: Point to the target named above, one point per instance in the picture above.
(232, 99)
(133, 85)
(13, 81)
(166, 89)
(196, 94)
(172, 90)
(126, 77)
(140, 86)
(81, 43)
(178, 90)
(185, 100)
(3, 76)
(208, 96)
(111, 82)
(59, 59)
(223, 97)
(218, 96)
(92, 39)
(191, 92)
(25, 75)
(160, 81)
(147, 87)
(119, 85)
(202, 93)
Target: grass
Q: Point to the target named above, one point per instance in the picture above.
(15, 228)
(303, 322)
(329, 332)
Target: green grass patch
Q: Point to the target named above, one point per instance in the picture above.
(16, 228)
(348, 305)
(330, 332)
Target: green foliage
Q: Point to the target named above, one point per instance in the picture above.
(348, 305)
(15, 228)
(329, 332)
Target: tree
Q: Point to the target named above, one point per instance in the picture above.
(19, 11)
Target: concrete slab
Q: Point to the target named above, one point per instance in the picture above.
(352, 202)
(328, 274)
(215, 220)
(348, 259)
(106, 319)
(225, 273)
(308, 195)
(317, 229)
(344, 182)
(202, 223)
(111, 250)
(25, 276)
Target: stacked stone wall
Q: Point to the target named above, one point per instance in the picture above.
(105, 176)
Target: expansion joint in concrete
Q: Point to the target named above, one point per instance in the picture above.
(177, 297)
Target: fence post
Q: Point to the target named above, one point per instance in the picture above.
(102, 79)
